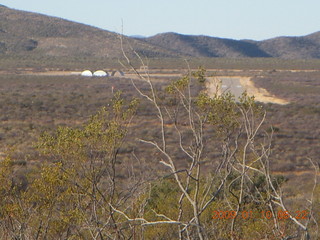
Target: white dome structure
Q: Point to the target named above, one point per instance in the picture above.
(100, 73)
(86, 73)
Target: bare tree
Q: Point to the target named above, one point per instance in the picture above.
(242, 173)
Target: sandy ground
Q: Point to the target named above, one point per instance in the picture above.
(262, 95)
(53, 73)
(213, 84)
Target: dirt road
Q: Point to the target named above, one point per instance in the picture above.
(237, 85)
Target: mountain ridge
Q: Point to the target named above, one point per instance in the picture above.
(304, 47)
(23, 32)
(30, 33)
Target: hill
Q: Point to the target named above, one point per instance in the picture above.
(32, 34)
(204, 46)
(25, 32)
(305, 47)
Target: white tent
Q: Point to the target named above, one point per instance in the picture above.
(100, 73)
(86, 73)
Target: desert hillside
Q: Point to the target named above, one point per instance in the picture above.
(305, 47)
(26, 33)
(31, 33)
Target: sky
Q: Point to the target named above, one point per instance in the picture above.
(236, 19)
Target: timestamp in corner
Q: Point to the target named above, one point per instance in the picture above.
(281, 215)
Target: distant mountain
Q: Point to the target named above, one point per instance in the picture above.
(293, 47)
(137, 36)
(36, 34)
(204, 46)
(25, 32)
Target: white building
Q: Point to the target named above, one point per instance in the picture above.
(86, 73)
(100, 73)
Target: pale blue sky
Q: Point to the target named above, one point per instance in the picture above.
(237, 19)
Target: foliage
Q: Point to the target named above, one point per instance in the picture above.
(80, 192)
(70, 196)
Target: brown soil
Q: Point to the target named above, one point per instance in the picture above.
(262, 95)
